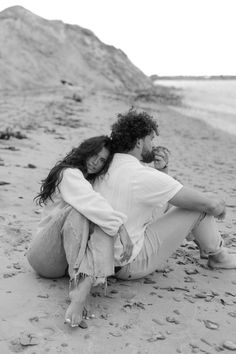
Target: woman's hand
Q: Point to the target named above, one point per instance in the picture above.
(126, 243)
(161, 157)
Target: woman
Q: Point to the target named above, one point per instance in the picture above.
(78, 225)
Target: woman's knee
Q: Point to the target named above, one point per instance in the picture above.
(44, 268)
(75, 220)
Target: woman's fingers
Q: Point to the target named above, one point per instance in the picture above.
(127, 253)
(126, 243)
(125, 257)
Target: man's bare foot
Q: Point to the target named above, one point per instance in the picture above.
(78, 298)
(203, 255)
(223, 260)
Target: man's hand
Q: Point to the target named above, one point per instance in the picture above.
(222, 210)
(222, 215)
(192, 199)
(127, 244)
(161, 157)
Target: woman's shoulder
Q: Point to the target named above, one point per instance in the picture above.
(72, 172)
(73, 178)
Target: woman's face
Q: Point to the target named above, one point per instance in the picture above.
(96, 162)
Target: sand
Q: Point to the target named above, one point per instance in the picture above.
(186, 308)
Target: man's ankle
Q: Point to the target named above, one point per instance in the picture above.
(219, 256)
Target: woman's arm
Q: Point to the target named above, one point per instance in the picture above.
(191, 199)
(79, 193)
(126, 243)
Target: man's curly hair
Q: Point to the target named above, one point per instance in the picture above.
(130, 127)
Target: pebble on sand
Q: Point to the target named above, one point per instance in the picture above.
(30, 165)
(229, 345)
(28, 339)
(232, 314)
(3, 183)
(191, 271)
(83, 324)
(149, 281)
(157, 321)
(157, 337)
(172, 320)
(211, 325)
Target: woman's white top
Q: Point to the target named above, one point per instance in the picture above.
(76, 191)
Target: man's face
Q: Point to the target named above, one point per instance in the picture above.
(147, 152)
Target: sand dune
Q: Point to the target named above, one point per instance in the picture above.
(40, 53)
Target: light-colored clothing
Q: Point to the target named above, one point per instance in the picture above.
(65, 242)
(135, 190)
(64, 237)
(76, 191)
(164, 235)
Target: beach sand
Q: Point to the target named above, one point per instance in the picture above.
(186, 308)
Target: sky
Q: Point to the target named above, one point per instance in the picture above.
(163, 37)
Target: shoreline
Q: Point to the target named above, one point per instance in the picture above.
(185, 111)
(212, 102)
(156, 78)
(134, 317)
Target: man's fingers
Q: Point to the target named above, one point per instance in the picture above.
(158, 158)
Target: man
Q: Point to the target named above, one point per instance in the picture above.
(136, 190)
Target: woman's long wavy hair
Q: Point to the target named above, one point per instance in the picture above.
(76, 158)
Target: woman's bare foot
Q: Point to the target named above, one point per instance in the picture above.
(223, 260)
(78, 296)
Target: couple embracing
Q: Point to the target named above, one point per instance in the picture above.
(106, 212)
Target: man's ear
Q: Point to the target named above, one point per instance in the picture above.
(139, 143)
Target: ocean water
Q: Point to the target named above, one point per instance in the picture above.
(213, 101)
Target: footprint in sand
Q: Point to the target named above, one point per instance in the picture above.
(43, 326)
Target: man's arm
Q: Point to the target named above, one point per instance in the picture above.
(191, 199)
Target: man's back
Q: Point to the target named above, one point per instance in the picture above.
(135, 190)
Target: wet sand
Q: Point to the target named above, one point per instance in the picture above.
(186, 308)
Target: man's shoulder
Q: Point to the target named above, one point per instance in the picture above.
(149, 174)
(125, 161)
